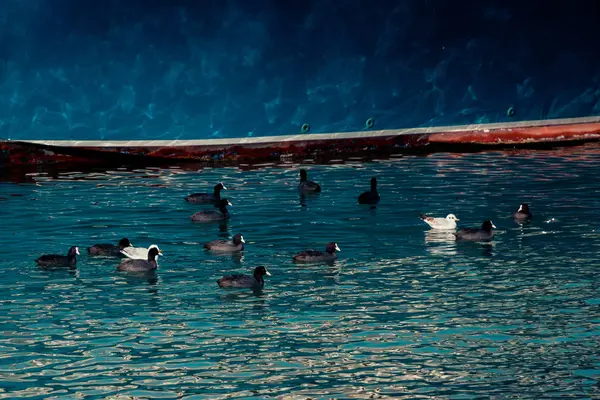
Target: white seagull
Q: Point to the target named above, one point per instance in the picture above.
(441, 223)
(138, 253)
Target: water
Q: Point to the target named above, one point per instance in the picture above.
(403, 313)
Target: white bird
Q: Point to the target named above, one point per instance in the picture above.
(139, 253)
(441, 223)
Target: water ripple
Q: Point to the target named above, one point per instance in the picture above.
(405, 312)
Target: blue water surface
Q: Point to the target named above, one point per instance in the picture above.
(404, 312)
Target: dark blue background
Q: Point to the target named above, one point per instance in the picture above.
(137, 69)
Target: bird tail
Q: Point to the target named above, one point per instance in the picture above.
(422, 216)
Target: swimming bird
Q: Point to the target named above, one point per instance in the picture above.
(370, 197)
(139, 253)
(206, 198)
(475, 234)
(137, 265)
(245, 281)
(523, 213)
(55, 260)
(317, 256)
(236, 244)
(441, 223)
(213, 215)
(107, 249)
(307, 186)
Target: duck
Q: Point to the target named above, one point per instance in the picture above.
(138, 253)
(236, 244)
(207, 198)
(307, 186)
(523, 213)
(245, 281)
(317, 256)
(370, 197)
(474, 234)
(107, 249)
(213, 215)
(56, 260)
(137, 265)
(441, 223)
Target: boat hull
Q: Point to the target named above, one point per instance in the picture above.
(302, 148)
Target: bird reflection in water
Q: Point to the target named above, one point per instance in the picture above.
(237, 258)
(224, 228)
(305, 197)
(302, 199)
(440, 242)
(140, 277)
(244, 294)
(487, 249)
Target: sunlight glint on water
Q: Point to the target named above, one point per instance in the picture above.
(404, 312)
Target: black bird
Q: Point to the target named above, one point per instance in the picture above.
(213, 215)
(475, 234)
(317, 256)
(236, 244)
(207, 198)
(523, 213)
(370, 197)
(137, 265)
(307, 186)
(245, 281)
(107, 249)
(55, 260)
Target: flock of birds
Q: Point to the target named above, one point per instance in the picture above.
(139, 259)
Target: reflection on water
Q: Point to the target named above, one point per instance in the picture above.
(224, 228)
(405, 312)
(440, 242)
(139, 277)
(305, 197)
